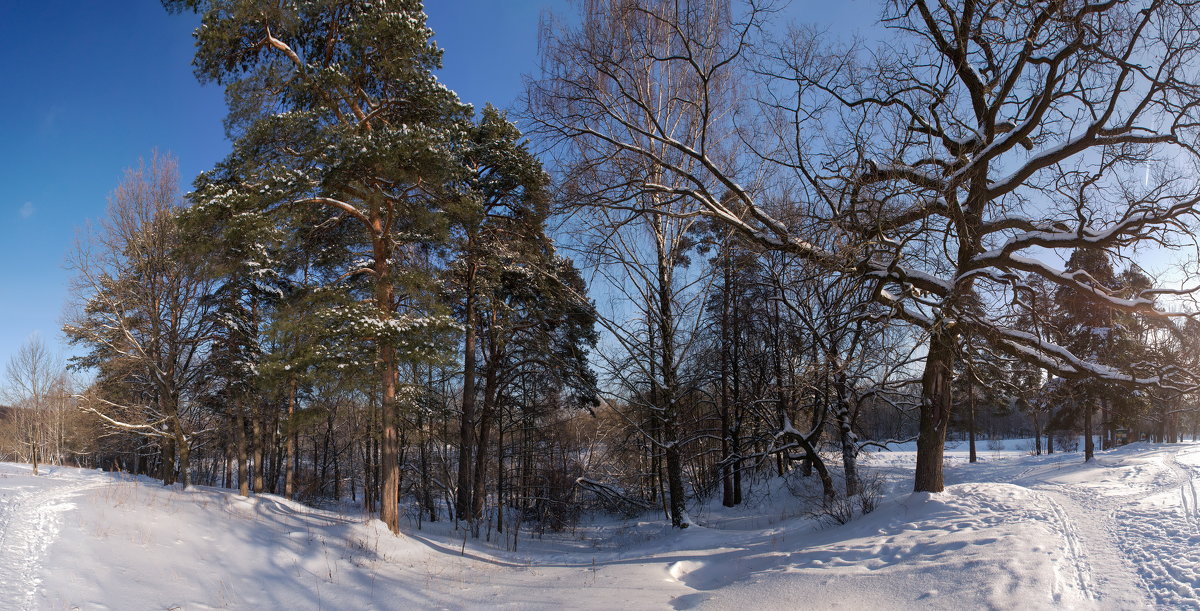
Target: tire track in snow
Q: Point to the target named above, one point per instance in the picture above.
(29, 521)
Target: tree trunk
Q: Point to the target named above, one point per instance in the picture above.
(674, 462)
(500, 474)
(726, 441)
(828, 491)
(1037, 435)
(478, 492)
(848, 439)
(289, 475)
(1089, 445)
(227, 467)
(466, 426)
(256, 441)
(34, 452)
(185, 452)
(426, 484)
(167, 461)
(385, 302)
(337, 475)
(936, 405)
(971, 415)
(243, 468)
(389, 507)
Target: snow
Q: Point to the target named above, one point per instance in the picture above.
(1011, 531)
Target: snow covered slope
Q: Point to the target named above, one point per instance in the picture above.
(1012, 531)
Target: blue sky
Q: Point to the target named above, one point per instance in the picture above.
(91, 87)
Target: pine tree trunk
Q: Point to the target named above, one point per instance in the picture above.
(389, 508)
(228, 466)
(289, 476)
(243, 467)
(256, 441)
(478, 491)
(426, 484)
(500, 474)
(276, 453)
(466, 426)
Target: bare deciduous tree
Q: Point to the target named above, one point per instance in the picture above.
(141, 317)
(35, 387)
(983, 135)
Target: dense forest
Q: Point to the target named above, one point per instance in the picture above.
(708, 250)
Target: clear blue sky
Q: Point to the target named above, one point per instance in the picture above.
(90, 87)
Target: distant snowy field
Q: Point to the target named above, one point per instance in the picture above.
(1013, 532)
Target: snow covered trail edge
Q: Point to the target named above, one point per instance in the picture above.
(31, 510)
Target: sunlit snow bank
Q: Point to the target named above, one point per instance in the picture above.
(972, 546)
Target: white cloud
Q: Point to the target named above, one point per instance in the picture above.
(26, 210)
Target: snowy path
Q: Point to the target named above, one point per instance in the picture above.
(1131, 547)
(1161, 533)
(30, 514)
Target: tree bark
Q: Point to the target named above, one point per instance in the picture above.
(971, 414)
(935, 412)
(1037, 435)
(389, 508)
(243, 468)
(1089, 445)
(166, 465)
(184, 451)
(289, 475)
(848, 439)
(478, 492)
(256, 436)
(466, 426)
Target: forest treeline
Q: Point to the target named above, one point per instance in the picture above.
(758, 251)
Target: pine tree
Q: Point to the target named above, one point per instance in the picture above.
(519, 302)
(337, 117)
(1105, 336)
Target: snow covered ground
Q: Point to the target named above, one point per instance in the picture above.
(1010, 532)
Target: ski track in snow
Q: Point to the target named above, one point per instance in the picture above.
(29, 522)
(1125, 542)
(1076, 558)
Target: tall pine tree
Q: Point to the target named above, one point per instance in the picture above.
(334, 108)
